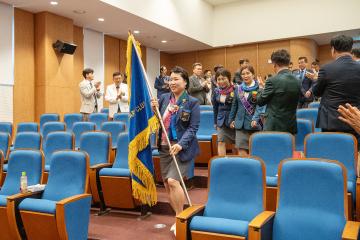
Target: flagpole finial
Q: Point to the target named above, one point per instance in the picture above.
(129, 32)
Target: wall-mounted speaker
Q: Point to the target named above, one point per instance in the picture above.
(64, 47)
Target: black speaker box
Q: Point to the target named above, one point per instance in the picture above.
(64, 47)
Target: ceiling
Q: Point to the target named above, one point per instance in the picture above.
(118, 22)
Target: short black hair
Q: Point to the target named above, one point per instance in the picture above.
(117, 74)
(196, 64)
(217, 67)
(207, 70)
(342, 43)
(305, 59)
(280, 57)
(162, 68)
(356, 52)
(290, 63)
(183, 73)
(315, 63)
(223, 72)
(250, 68)
(86, 71)
(241, 61)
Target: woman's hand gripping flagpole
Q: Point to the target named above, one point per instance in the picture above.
(157, 112)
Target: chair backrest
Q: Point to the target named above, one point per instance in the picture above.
(27, 127)
(123, 117)
(341, 147)
(308, 113)
(105, 110)
(70, 119)
(81, 127)
(122, 151)
(236, 188)
(206, 108)
(48, 117)
(52, 127)
(304, 127)
(57, 141)
(5, 142)
(29, 161)
(97, 145)
(68, 176)
(6, 127)
(114, 128)
(206, 123)
(271, 147)
(98, 119)
(314, 105)
(311, 200)
(28, 140)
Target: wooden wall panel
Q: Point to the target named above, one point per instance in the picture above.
(264, 53)
(324, 54)
(24, 71)
(112, 60)
(210, 58)
(123, 44)
(185, 60)
(303, 48)
(234, 54)
(166, 60)
(78, 65)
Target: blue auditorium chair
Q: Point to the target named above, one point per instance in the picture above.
(97, 145)
(48, 117)
(1, 167)
(56, 141)
(304, 127)
(236, 196)
(309, 113)
(314, 105)
(27, 127)
(123, 117)
(81, 127)
(51, 127)
(27, 140)
(206, 108)
(5, 142)
(271, 147)
(204, 136)
(31, 162)
(6, 127)
(70, 119)
(105, 110)
(98, 119)
(114, 128)
(341, 147)
(312, 203)
(116, 180)
(62, 211)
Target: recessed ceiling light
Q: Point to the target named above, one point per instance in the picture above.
(164, 41)
(54, 3)
(101, 19)
(136, 31)
(79, 11)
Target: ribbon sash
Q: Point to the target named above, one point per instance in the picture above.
(248, 107)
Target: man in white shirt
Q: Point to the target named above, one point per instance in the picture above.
(117, 95)
(90, 92)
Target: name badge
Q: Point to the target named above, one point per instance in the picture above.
(222, 98)
(185, 116)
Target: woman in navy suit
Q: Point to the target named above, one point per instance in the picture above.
(181, 116)
(245, 114)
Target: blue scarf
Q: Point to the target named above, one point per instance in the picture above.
(246, 88)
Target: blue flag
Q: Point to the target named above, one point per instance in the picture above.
(142, 123)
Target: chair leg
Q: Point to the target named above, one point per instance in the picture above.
(103, 210)
(144, 212)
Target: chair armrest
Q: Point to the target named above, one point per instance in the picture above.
(72, 199)
(190, 211)
(351, 230)
(101, 165)
(260, 220)
(20, 196)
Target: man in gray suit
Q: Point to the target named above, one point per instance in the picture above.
(89, 92)
(198, 87)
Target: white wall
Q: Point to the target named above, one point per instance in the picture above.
(6, 62)
(94, 57)
(252, 21)
(152, 66)
(192, 18)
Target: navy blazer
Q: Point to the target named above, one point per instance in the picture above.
(306, 84)
(185, 129)
(221, 110)
(159, 85)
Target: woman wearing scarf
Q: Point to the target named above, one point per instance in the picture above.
(222, 100)
(245, 114)
(181, 116)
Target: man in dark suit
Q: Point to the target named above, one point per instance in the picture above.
(198, 86)
(304, 76)
(338, 83)
(237, 76)
(281, 95)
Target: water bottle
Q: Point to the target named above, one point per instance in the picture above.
(23, 182)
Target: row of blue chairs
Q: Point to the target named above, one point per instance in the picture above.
(312, 202)
(60, 211)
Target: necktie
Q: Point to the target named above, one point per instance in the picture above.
(117, 91)
(302, 73)
(96, 105)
